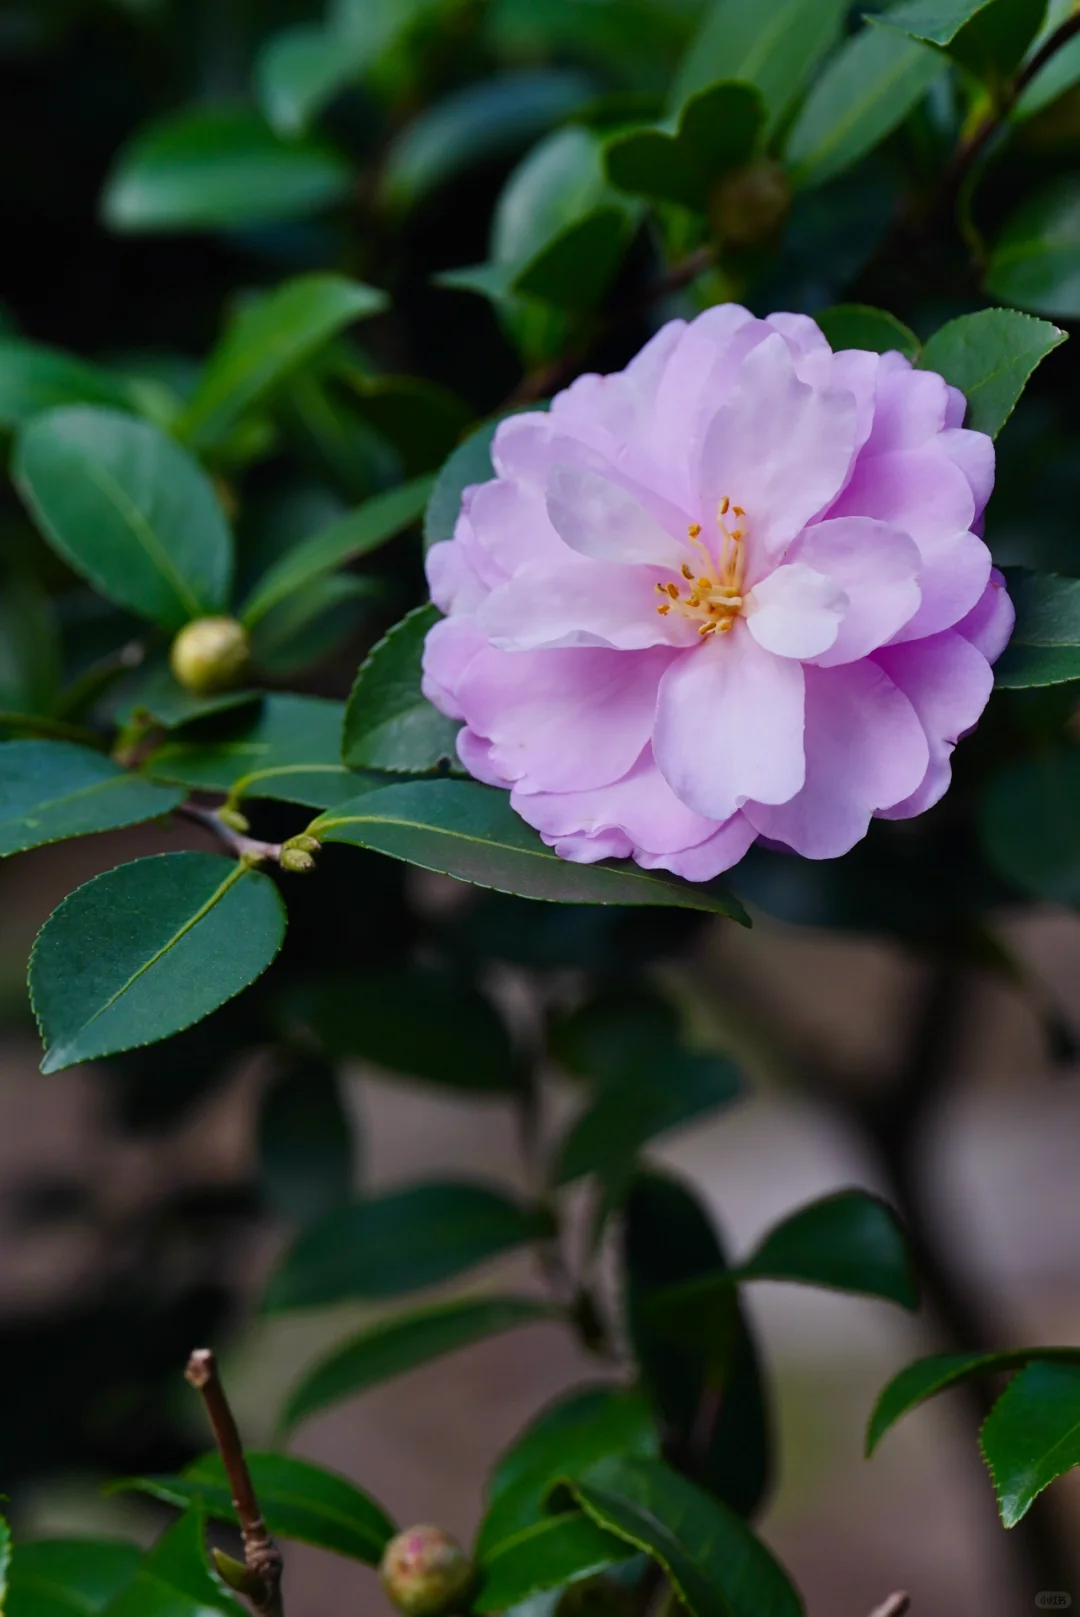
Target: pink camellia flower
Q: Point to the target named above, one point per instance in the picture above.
(731, 591)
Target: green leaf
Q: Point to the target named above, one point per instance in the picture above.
(604, 1037)
(267, 340)
(306, 1152)
(174, 1579)
(31, 655)
(69, 1577)
(1057, 75)
(986, 36)
(774, 45)
(5, 1561)
(300, 70)
(210, 168)
(1045, 646)
(483, 122)
(421, 419)
(864, 93)
(856, 325)
(357, 534)
(416, 1021)
(401, 1242)
(1035, 262)
(34, 378)
(470, 463)
(1032, 1435)
(298, 1501)
(288, 749)
(1030, 828)
(849, 1241)
(389, 722)
(393, 1346)
(577, 1429)
(924, 1379)
(145, 950)
(153, 692)
(548, 1554)
(717, 1566)
(129, 510)
(314, 623)
(50, 790)
(719, 129)
(470, 832)
(990, 357)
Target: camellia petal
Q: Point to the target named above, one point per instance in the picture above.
(795, 611)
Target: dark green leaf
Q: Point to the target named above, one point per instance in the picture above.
(856, 325)
(868, 88)
(306, 1165)
(34, 379)
(716, 1565)
(990, 356)
(145, 950)
(389, 722)
(210, 168)
(31, 655)
(69, 1577)
(1057, 75)
(603, 1039)
(290, 749)
(422, 420)
(1045, 646)
(5, 1561)
(1035, 262)
(924, 1379)
(396, 1345)
(718, 130)
(130, 511)
(50, 790)
(298, 1500)
(470, 463)
(299, 71)
(470, 832)
(313, 624)
(414, 1021)
(481, 123)
(575, 269)
(267, 340)
(1032, 1435)
(986, 36)
(174, 1579)
(153, 692)
(1031, 828)
(357, 534)
(400, 1242)
(775, 45)
(850, 1241)
(548, 1554)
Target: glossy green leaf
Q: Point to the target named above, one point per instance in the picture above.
(298, 1500)
(289, 748)
(34, 378)
(924, 1379)
(396, 1345)
(775, 45)
(481, 123)
(1058, 75)
(716, 1564)
(389, 722)
(267, 340)
(314, 623)
(416, 1021)
(856, 325)
(1030, 826)
(129, 510)
(147, 949)
(986, 36)
(357, 534)
(175, 1580)
(209, 168)
(306, 1154)
(298, 71)
(849, 1241)
(69, 1577)
(152, 692)
(548, 1554)
(719, 129)
(990, 357)
(470, 832)
(50, 790)
(864, 93)
(31, 655)
(1035, 262)
(1045, 646)
(1032, 1435)
(401, 1242)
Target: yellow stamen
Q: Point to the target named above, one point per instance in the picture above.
(694, 530)
(688, 572)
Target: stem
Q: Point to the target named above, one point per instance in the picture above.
(261, 1555)
(247, 848)
(895, 1606)
(51, 729)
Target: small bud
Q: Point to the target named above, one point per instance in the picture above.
(426, 1573)
(233, 818)
(296, 860)
(237, 1575)
(210, 654)
(748, 205)
(304, 842)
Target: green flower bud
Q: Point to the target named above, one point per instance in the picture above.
(426, 1573)
(748, 205)
(308, 844)
(233, 818)
(296, 860)
(210, 654)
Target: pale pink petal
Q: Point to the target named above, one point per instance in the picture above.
(953, 577)
(795, 611)
(475, 754)
(989, 624)
(455, 584)
(589, 604)
(948, 683)
(729, 725)
(803, 335)
(877, 568)
(973, 453)
(916, 490)
(909, 407)
(513, 530)
(450, 647)
(599, 519)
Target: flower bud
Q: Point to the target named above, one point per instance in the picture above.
(233, 818)
(425, 1572)
(748, 205)
(210, 654)
(306, 843)
(296, 860)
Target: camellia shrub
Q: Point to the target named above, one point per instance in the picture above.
(567, 446)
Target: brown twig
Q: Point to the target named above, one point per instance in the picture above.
(249, 848)
(262, 1558)
(895, 1606)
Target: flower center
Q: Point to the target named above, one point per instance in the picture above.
(712, 602)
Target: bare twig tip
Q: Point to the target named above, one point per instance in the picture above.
(200, 1368)
(895, 1606)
